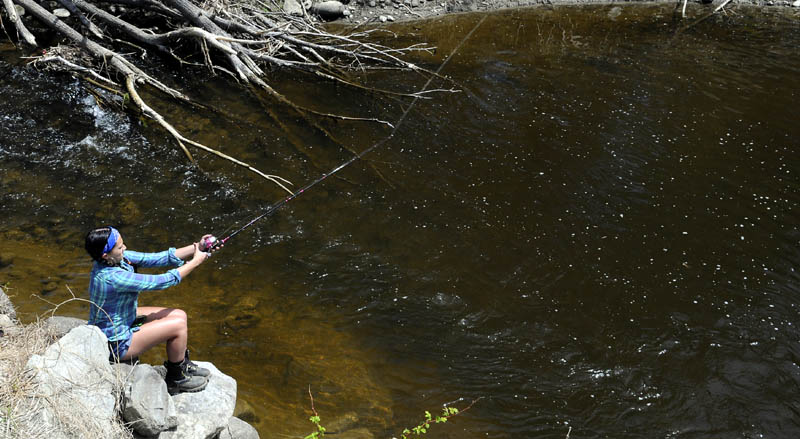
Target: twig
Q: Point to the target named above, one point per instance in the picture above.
(74, 67)
(410, 11)
(721, 6)
(312, 401)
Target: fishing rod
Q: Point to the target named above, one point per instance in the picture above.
(211, 243)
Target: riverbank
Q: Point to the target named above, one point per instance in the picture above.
(56, 381)
(368, 11)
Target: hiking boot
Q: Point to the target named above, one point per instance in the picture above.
(178, 381)
(193, 369)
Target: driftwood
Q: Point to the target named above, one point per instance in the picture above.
(15, 19)
(240, 40)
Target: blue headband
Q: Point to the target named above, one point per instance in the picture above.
(112, 239)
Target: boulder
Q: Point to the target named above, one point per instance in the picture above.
(238, 429)
(74, 373)
(292, 7)
(147, 407)
(6, 307)
(203, 415)
(60, 325)
(7, 326)
(796, 4)
(329, 10)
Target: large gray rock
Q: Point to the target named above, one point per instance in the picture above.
(60, 325)
(147, 407)
(203, 415)
(328, 10)
(6, 307)
(292, 7)
(238, 429)
(7, 326)
(74, 373)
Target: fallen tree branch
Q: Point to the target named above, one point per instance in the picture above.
(22, 31)
(88, 25)
(235, 39)
(129, 84)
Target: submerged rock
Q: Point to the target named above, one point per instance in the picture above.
(358, 433)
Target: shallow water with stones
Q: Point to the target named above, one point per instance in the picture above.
(597, 235)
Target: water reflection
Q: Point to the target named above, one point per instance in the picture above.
(598, 233)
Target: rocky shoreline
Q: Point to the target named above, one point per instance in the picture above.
(71, 390)
(369, 11)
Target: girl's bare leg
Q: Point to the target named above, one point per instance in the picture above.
(162, 325)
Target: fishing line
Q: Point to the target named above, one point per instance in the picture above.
(213, 243)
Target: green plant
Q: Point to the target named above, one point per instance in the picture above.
(315, 419)
(418, 431)
(320, 429)
(423, 426)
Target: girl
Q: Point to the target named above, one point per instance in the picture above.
(114, 288)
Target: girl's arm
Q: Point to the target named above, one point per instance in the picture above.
(198, 257)
(127, 281)
(187, 252)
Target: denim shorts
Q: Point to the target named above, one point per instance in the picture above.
(118, 349)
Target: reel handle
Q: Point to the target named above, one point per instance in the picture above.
(209, 243)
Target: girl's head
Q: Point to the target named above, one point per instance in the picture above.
(105, 245)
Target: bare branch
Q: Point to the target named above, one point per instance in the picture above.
(23, 31)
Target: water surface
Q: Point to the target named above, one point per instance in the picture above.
(598, 232)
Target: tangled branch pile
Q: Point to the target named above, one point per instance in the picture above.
(238, 39)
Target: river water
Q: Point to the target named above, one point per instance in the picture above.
(597, 236)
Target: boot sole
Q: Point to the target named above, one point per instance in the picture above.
(173, 392)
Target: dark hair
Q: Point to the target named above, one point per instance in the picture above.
(96, 242)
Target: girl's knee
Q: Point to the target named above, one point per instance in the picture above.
(179, 314)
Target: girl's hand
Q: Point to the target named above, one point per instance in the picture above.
(216, 246)
(199, 255)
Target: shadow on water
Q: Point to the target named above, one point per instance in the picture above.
(599, 232)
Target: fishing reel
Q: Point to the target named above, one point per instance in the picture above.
(209, 243)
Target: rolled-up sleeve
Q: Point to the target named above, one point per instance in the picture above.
(165, 258)
(133, 282)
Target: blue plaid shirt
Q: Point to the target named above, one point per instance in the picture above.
(116, 290)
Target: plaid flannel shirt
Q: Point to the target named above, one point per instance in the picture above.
(115, 290)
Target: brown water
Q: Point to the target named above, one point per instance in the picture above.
(599, 233)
